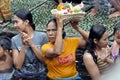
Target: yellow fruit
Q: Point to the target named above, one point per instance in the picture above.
(60, 6)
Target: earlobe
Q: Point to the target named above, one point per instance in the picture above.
(95, 41)
(27, 21)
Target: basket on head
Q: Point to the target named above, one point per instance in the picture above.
(66, 10)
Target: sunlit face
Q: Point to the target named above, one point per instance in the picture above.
(117, 36)
(51, 32)
(103, 42)
(1, 51)
(19, 24)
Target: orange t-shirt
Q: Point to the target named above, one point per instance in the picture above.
(63, 66)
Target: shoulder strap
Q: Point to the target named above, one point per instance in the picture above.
(94, 57)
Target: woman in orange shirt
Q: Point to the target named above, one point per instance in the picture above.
(59, 53)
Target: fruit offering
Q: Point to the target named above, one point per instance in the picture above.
(67, 8)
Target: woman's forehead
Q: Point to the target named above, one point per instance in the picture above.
(51, 25)
(105, 35)
(16, 18)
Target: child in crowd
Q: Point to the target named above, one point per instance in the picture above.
(115, 50)
(6, 63)
(116, 44)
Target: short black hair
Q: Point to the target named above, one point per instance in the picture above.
(5, 42)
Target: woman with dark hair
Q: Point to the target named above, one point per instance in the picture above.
(59, 53)
(97, 57)
(115, 50)
(26, 48)
(6, 63)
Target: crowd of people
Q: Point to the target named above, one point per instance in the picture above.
(33, 55)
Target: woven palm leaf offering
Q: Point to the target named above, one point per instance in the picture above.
(70, 12)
